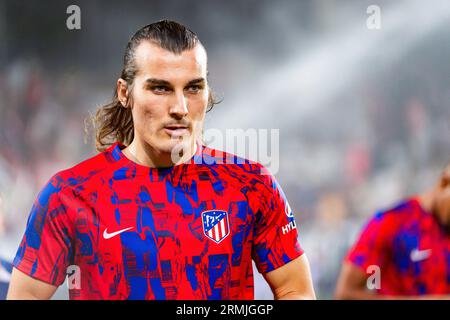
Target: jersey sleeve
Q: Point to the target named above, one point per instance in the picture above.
(45, 251)
(373, 245)
(275, 231)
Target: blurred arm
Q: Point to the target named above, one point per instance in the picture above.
(351, 285)
(24, 287)
(292, 281)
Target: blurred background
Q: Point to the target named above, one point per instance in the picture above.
(363, 114)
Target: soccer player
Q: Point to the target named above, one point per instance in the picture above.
(157, 214)
(406, 247)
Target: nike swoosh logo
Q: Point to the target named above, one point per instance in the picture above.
(419, 255)
(107, 235)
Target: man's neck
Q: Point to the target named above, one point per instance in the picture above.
(145, 155)
(426, 201)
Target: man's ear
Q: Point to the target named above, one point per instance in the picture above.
(445, 179)
(122, 92)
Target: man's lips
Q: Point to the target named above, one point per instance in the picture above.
(176, 130)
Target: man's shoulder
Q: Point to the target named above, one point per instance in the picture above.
(234, 165)
(400, 211)
(85, 170)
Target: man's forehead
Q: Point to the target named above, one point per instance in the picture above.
(151, 55)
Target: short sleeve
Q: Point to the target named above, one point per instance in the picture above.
(275, 231)
(45, 251)
(372, 246)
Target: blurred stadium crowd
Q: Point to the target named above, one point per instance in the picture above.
(353, 139)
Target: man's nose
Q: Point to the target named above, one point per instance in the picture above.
(179, 108)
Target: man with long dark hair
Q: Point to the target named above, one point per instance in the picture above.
(157, 214)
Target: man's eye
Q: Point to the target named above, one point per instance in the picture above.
(194, 89)
(159, 89)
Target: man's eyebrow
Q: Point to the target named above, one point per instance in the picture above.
(196, 81)
(155, 81)
(160, 82)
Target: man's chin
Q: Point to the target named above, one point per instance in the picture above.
(175, 146)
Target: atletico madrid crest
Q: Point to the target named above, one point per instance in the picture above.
(215, 225)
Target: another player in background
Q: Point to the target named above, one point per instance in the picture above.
(158, 215)
(410, 244)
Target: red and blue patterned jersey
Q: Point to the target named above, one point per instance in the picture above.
(411, 248)
(191, 231)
